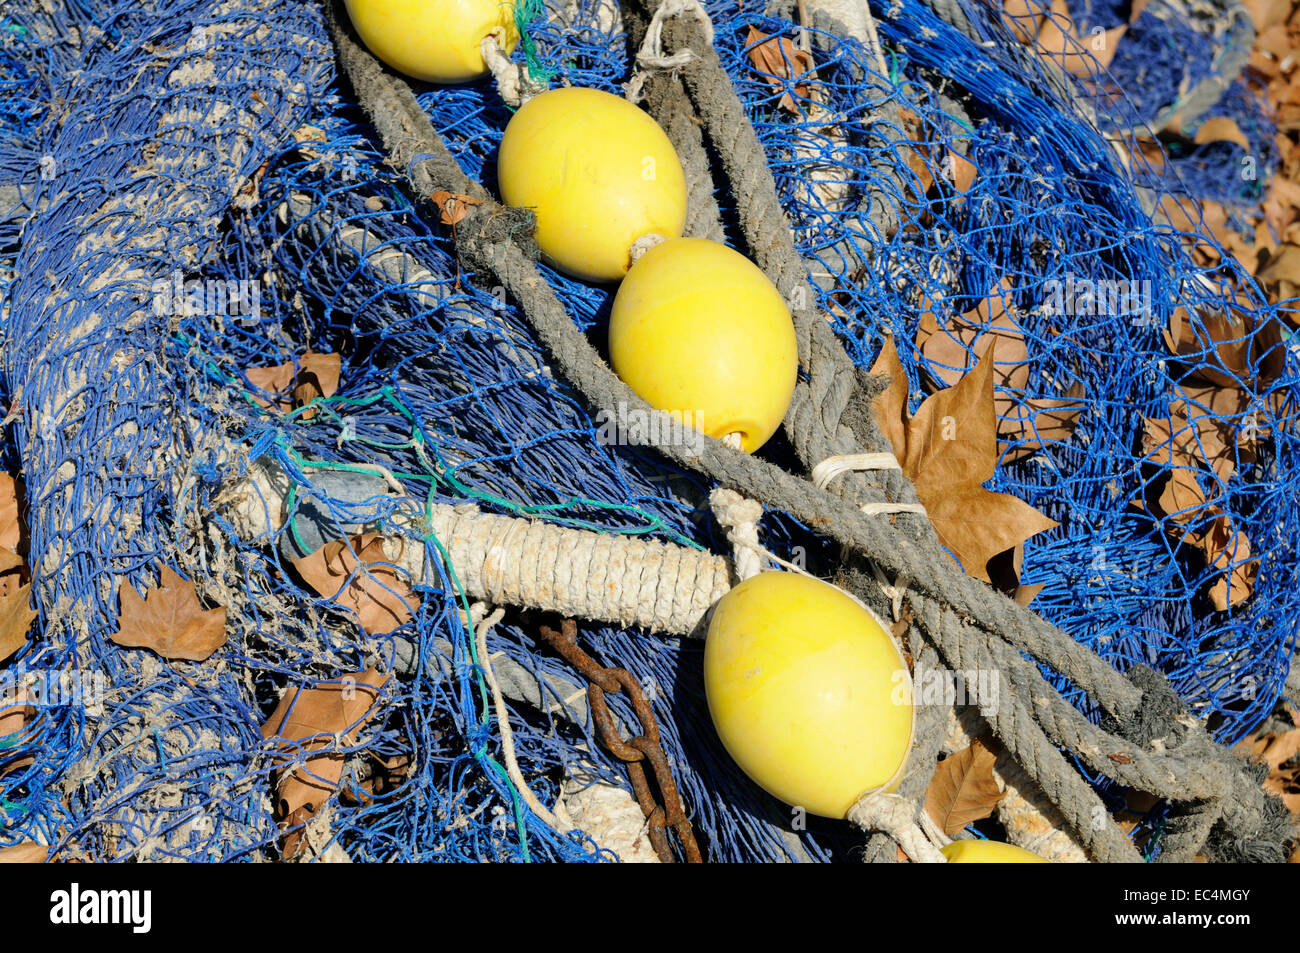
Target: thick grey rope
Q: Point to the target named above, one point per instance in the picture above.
(666, 101)
(488, 240)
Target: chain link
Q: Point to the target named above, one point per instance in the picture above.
(666, 813)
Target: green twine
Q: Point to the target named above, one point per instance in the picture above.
(528, 12)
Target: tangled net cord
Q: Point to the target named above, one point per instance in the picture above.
(1150, 742)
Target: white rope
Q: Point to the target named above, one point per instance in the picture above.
(897, 817)
(739, 517)
(482, 622)
(644, 244)
(651, 56)
(514, 83)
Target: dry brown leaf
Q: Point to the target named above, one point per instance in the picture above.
(1265, 13)
(1228, 550)
(13, 572)
(169, 620)
(26, 853)
(948, 450)
(1082, 56)
(960, 171)
(316, 375)
(10, 523)
(308, 719)
(1032, 425)
(453, 206)
(381, 598)
(963, 789)
(949, 350)
(779, 60)
(16, 618)
(1219, 129)
(1023, 18)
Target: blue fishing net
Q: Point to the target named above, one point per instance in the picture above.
(212, 143)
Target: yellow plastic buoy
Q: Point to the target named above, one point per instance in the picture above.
(434, 40)
(989, 852)
(807, 692)
(599, 174)
(699, 331)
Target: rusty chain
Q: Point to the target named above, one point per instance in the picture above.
(635, 753)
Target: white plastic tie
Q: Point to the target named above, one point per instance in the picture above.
(831, 467)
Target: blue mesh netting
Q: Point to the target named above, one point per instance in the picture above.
(133, 423)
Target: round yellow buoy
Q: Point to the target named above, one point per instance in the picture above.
(599, 173)
(699, 331)
(989, 852)
(807, 691)
(434, 40)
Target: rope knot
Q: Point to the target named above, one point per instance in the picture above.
(898, 817)
(739, 517)
(652, 56)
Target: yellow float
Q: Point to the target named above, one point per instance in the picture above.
(989, 852)
(807, 691)
(599, 174)
(437, 41)
(699, 331)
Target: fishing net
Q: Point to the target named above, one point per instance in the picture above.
(193, 196)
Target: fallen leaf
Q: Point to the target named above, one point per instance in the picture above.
(16, 617)
(309, 719)
(453, 206)
(169, 620)
(780, 62)
(1228, 551)
(315, 375)
(371, 587)
(952, 347)
(25, 853)
(1023, 18)
(1265, 13)
(1059, 40)
(1028, 427)
(10, 523)
(1219, 129)
(948, 450)
(963, 789)
(13, 572)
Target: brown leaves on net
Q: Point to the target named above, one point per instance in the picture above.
(1197, 447)
(780, 61)
(16, 618)
(169, 620)
(311, 719)
(1061, 41)
(357, 575)
(25, 853)
(923, 156)
(1279, 750)
(293, 386)
(1024, 424)
(948, 450)
(963, 789)
(11, 527)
